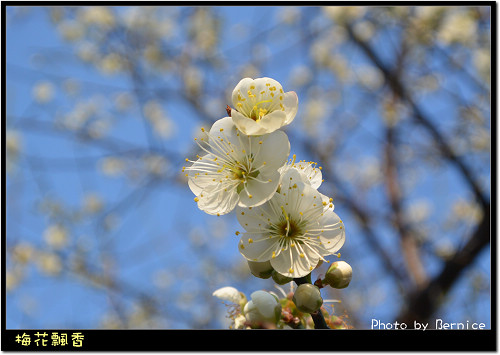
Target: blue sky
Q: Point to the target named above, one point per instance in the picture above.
(165, 207)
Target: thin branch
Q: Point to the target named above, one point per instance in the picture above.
(400, 91)
(408, 243)
(424, 302)
(362, 215)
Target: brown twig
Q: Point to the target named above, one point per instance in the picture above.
(424, 302)
(400, 91)
(408, 243)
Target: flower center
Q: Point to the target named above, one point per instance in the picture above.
(241, 173)
(256, 105)
(289, 229)
(258, 112)
(238, 173)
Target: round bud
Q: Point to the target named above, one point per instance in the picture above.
(264, 307)
(338, 275)
(307, 298)
(280, 279)
(261, 270)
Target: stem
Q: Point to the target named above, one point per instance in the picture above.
(318, 319)
(303, 280)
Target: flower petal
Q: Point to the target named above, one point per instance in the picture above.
(306, 201)
(257, 247)
(273, 121)
(242, 87)
(291, 103)
(274, 151)
(296, 261)
(263, 83)
(257, 219)
(218, 201)
(333, 237)
(326, 202)
(246, 124)
(261, 189)
(228, 293)
(197, 180)
(309, 173)
(223, 129)
(313, 174)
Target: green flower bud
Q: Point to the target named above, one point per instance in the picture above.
(264, 307)
(307, 298)
(280, 279)
(261, 270)
(338, 275)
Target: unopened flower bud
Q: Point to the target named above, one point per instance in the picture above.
(261, 270)
(280, 279)
(338, 275)
(307, 298)
(264, 307)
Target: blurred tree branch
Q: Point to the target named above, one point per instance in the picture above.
(408, 241)
(400, 91)
(423, 302)
(324, 155)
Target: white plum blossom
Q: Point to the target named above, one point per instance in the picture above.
(230, 294)
(237, 169)
(310, 173)
(294, 230)
(239, 321)
(261, 106)
(237, 301)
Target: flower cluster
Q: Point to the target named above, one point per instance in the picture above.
(289, 226)
(269, 310)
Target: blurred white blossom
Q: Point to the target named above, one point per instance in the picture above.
(56, 236)
(49, 263)
(458, 26)
(101, 16)
(12, 148)
(112, 166)
(43, 91)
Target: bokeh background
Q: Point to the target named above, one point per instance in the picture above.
(102, 108)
